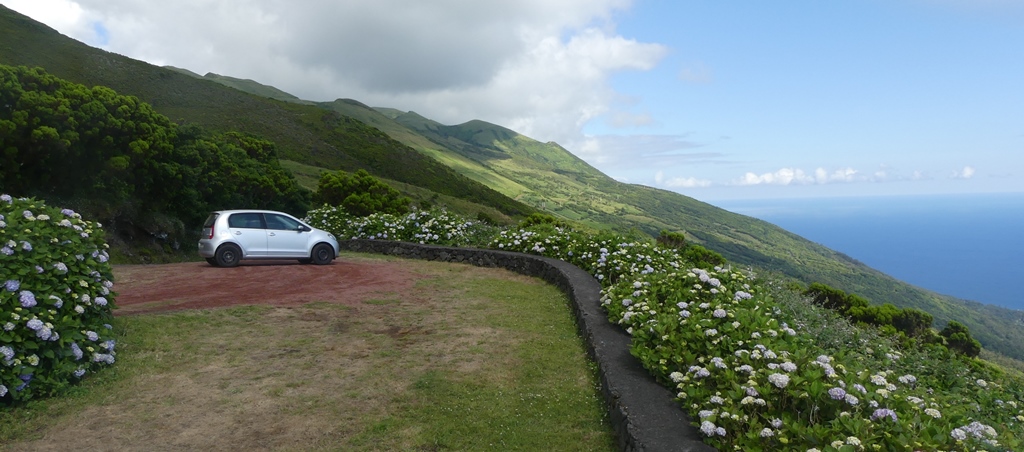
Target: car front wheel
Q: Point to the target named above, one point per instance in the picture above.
(228, 255)
(322, 254)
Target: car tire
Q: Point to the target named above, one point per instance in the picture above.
(322, 254)
(212, 261)
(228, 255)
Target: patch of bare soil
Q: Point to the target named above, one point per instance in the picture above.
(160, 288)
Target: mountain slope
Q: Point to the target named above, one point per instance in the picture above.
(559, 182)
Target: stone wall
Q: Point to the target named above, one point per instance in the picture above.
(643, 413)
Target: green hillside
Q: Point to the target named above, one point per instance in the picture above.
(302, 133)
(479, 163)
(557, 181)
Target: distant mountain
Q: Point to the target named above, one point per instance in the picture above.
(483, 163)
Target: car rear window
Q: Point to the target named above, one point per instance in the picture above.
(249, 220)
(210, 220)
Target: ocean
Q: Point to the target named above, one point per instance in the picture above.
(967, 246)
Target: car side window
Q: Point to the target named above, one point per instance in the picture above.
(245, 220)
(281, 222)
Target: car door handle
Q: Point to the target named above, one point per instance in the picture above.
(272, 234)
(238, 232)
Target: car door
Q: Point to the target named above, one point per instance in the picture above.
(286, 236)
(246, 229)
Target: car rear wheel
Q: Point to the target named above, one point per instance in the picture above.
(228, 255)
(322, 254)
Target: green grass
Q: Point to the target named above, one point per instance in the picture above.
(471, 359)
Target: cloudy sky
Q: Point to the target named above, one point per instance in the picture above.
(716, 100)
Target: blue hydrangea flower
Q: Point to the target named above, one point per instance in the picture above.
(26, 246)
(837, 393)
(34, 324)
(79, 373)
(28, 299)
(76, 351)
(68, 212)
(7, 251)
(44, 333)
(3, 390)
(6, 198)
(8, 352)
(883, 413)
(25, 379)
(100, 301)
(92, 336)
(12, 285)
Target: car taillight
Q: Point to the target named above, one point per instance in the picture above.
(211, 232)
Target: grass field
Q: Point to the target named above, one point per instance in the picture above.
(476, 359)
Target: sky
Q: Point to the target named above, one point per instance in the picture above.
(716, 100)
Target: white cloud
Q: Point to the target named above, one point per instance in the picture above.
(966, 173)
(797, 176)
(680, 182)
(623, 152)
(539, 67)
(65, 16)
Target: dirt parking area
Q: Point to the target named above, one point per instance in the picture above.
(198, 285)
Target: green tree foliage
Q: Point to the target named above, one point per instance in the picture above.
(542, 218)
(958, 338)
(675, 240)
(908, 323)
(360, 194)
(703, 257)
(914, 322)
(124, 163)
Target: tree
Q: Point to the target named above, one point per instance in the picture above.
(360, 194)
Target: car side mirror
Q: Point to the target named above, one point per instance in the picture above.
(304, 228)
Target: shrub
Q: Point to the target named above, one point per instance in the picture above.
(55, 303)
(542, 218)
(676, 240)
(703, 257)
(958, 338)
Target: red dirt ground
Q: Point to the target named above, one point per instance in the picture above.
(198, 285)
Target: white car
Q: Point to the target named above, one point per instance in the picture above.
(232, 235)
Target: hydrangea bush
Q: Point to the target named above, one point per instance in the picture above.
(56, 299)
(755, 376)
(435, 226)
